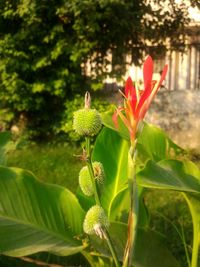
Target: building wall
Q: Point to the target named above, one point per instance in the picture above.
(183, 73)
(184, 69)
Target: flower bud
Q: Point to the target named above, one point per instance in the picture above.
(85, 179)
(87, 122)
(95, 221)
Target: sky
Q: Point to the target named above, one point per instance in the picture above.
(194, 12)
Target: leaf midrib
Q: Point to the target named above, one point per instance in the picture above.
(33, 226)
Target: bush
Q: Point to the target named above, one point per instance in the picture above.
(45, 47)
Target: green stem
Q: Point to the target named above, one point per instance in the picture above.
(111, 247)
(133, 214)
(91, 171)
(97, 199)
(195, 247)
(192, 204)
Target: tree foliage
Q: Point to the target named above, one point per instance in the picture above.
(45, 45)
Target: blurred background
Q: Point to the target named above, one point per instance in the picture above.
(52, 51)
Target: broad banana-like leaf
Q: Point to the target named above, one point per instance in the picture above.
(193, 201)
(97, 259)
(177, 175)
(112, 151)
(108, 122)
(153, 143)
(181, 176)
(150, 249)
(35, 216)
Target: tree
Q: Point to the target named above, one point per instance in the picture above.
(45, 45)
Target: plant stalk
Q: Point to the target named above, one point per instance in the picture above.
(196, 228)
(195, 247)
(133, 213)
(90, 168)
(97, 199)
(111, 247)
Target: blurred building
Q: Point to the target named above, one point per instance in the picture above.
(184, 68)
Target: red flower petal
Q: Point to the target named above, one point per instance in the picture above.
(130, 93)
(146, 105)
(147, 73)
(156, 87)
(129, 88)
(147, 76)
(115, 116)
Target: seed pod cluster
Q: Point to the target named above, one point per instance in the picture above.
(85, 181)
(95, 217)
(87, 122)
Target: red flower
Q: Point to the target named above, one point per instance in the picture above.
(136, 101)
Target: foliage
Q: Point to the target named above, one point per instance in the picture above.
(56, 164)
(175, 175)
(44, 48)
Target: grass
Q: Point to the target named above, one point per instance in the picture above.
(170, 216)
(168, 211)
(52, 164)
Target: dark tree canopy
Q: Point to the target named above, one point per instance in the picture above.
(45, 44)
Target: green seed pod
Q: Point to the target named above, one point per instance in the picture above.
(87, 122)
(85, 182)
(95, 218)
(85, 179)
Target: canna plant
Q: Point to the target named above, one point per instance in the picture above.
(106, 221)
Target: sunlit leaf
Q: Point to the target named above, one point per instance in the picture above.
(153, 143)
(37, 217)
(177, 175)
(108, 122)
(150, 249)
(112, 151)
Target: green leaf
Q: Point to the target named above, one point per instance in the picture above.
(97, 259)
(108, 122)
(112, 151)
(37, 217)
(171, 174)
(180, 176)
(150, 249)
(153, 143)
(120, 206)
(193, 201)
(86, 201)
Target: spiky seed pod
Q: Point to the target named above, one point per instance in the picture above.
(87, 122)
(99, 173)
(85, 182)
(95, 218)
(85, 179)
